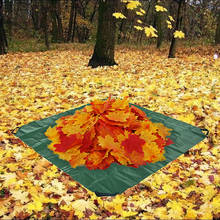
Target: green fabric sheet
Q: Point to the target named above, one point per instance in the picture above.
(117, 178)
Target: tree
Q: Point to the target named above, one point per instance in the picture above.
(72, 13)
(103, 54)
(3, 39)
(44, 22)
(74, 21)
(217, 32)
(35, 5)
(93, 12)
(122, 27)
(173, 41)
(8, 20)
(57, 27)
(86, 11)
(158, 25)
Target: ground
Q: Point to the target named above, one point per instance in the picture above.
(36, 85)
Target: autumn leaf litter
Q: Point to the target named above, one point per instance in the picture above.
(38, 85)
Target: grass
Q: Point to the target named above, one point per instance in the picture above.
(29, 45)
(37, 45)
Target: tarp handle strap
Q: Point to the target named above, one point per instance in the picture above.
(207, 131)
(14, 131)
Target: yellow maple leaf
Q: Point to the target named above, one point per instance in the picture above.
(216, 203)
(188, 118)
(171, 18)
(142, 11)
(3, 211)
(206, 211)
(20, 195)
(190, 214)
(147, 215)
(176, 210)
(118, 15)
(117, 203)
(139, 13)
(215, 150)
(160, 8)
(57, 184)
(81, 205)
(93, 216)
(150, 31)
(169, 25)
(9, 178)
(133, 4)
(161, 212)
(209, 191)
(36, 206)
(138, 28)
(66, 207)
(167, 188)
(126, 214)
(179, 34)
(12, 167)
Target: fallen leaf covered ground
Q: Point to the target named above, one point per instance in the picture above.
(40, 84)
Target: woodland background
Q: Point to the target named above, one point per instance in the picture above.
(76, 21)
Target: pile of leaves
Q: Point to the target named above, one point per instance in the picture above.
(106, 132)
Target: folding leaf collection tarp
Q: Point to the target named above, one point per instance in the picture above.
(117, 178)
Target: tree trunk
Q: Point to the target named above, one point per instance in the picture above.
(3, 39)
(94, 11)
(59, 21)
(71, 21)
(44, 8)
(103, 54)
(35, 14)
(158, 24)
(74, 21)
(57, 30)
(8, 10)
(217, 33)
(172, 50)
(145, 19)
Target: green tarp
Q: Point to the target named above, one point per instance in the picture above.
(117, 178)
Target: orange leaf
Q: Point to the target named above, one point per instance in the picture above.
(78, 159)
(106, 162)
(120, 104)
(94, 159)
(100, 106)
(104, 129)
(137, 158)
(141, 115)
(118, 116)
(108, 143)
(120, 157)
